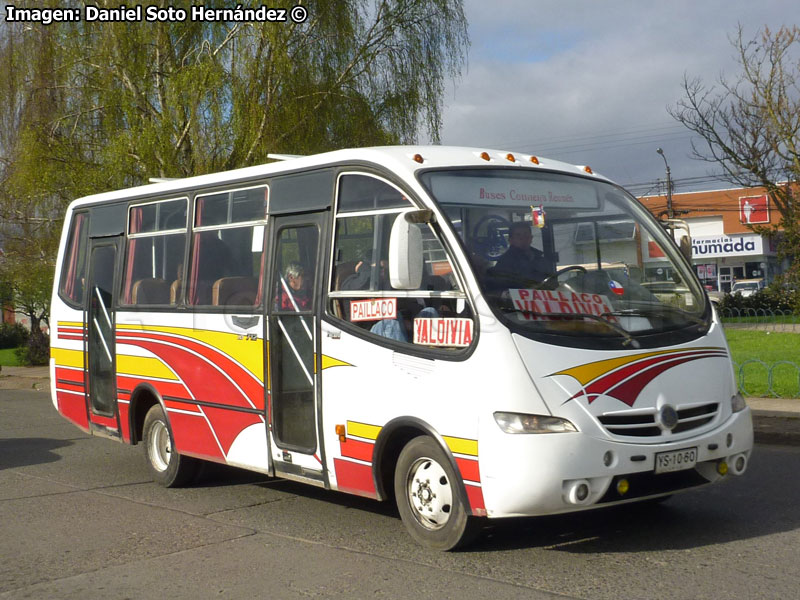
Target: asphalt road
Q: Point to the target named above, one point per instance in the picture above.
(79, 518)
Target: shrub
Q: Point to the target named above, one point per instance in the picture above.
(13, 335)
(36, 351)
(771, 299)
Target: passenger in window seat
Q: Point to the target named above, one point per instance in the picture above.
(295, 294)
(360, 280)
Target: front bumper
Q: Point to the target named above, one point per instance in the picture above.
(540, 474)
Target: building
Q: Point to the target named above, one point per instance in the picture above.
(724, 246)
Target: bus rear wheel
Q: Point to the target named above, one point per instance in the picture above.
(167, 467)
(427, 497)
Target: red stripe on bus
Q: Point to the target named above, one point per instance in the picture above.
(69, 386)
(476, 503)
(72, 375)
(357, 449)
(354, 478)
(62, 331)
(206, 382)
(73, 408)
(469, 469)
(228, 424)
(164, 388)
(183, 404)
(110, 422)
(124, 422)
(237, 372)
(193, 436)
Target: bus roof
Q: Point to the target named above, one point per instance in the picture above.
(402, 159)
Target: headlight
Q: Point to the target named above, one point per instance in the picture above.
(521, 423)
(738, 403)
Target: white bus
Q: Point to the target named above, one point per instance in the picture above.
(408, 322)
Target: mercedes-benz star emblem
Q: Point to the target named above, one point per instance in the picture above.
(668, 417)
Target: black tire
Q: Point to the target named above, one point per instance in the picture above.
(428, 498)
(167, 467)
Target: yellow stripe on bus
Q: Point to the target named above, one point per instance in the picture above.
(370, 432)
(142, 366)
(246, 352)
(67, 358)
(362, 430)
(329, 361)
(462, 445)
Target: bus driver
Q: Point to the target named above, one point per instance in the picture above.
(522, 265)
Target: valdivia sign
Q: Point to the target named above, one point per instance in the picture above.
(744, 245)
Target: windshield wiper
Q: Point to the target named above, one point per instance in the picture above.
(629, 340)
(640, 312)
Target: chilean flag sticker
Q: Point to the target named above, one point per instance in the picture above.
(616, 287)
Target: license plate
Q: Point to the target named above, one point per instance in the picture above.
(677, 460)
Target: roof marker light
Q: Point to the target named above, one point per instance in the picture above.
(418, 158)
(534, 160)
(588, 169)
(510, 157)
(484, 155)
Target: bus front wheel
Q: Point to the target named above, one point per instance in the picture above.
(427, 497)
(168, 468)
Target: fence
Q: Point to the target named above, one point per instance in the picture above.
(757, 377)
(760, 318)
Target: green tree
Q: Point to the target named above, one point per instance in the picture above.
(98, 106)
(750, 127)
(26, 268)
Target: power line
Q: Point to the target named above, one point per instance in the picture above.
(609, 146)
(582, 138)
(606, 140)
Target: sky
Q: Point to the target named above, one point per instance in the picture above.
(590, 82)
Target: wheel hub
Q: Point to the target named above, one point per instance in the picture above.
(160, 447)
(430, 493)
(424, 493)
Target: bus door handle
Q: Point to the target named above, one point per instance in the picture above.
(332, 332)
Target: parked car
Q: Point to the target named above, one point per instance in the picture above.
(747, 287)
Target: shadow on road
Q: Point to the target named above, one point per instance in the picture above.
(23, 452)
(761, 502)
(754, 505)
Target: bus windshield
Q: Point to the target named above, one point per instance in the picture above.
(570, 259)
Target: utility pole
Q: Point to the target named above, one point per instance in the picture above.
(670, 212)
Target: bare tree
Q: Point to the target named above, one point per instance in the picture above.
(750, 127)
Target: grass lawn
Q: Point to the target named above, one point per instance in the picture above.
(8, 358)
(748, 347)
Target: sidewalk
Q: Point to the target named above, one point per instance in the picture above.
(775, 420)
(24, 378)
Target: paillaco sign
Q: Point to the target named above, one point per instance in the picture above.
(721, 245)
(374, 309)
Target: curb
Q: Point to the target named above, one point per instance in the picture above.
(776, 427)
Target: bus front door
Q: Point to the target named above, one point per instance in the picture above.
(294, 401)
(100, 340)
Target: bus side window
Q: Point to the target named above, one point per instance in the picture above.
(155, 252)
(361, 292)
(226, 263)
(73, 274)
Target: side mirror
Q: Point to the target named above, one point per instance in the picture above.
(685, 246)
(405, 252)
(685, 243)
